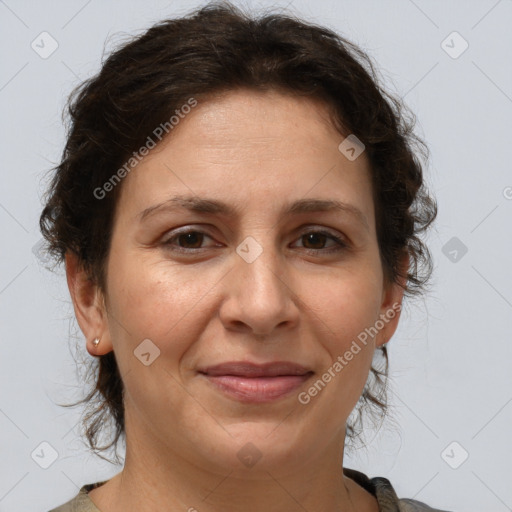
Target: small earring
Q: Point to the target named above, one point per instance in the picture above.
(96, 342)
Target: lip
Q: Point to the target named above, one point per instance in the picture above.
(249, 369)
(257, 383)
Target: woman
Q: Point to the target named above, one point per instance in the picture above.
(238, 208)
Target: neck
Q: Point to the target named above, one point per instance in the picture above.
(154, 475)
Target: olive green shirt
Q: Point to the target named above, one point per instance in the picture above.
(380, 487)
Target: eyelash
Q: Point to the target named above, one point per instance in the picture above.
(341, 243)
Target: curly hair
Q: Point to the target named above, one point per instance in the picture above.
(215, 49)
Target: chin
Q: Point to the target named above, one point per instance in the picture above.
(253, 447)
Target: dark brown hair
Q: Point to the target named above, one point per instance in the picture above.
(215, 49)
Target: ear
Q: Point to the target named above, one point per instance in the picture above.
(391, 305)
(89, 305)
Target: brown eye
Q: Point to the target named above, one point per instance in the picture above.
(190, 240)
(314, 240)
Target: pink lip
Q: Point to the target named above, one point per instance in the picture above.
(253, 383)
(257, 389)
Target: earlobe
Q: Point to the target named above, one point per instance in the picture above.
(89, 306)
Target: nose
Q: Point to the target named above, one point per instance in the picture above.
(258, 300)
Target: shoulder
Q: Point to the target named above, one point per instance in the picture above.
(408, 505)
(385, 494)
(81, 502)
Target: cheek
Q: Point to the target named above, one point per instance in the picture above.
(158, 301)
(154, 301)
(346, 307)
(346, 300)
(348, 343)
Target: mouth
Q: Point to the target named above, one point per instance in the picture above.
(256, 383)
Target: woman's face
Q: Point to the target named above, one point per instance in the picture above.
(243, 175)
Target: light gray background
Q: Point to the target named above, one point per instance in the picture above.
(451, 357)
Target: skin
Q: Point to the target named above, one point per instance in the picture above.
(297, 301)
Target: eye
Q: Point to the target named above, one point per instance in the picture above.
(312, 241)
(186, 241)
(315, 241)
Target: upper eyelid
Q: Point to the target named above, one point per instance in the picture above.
(309, 229)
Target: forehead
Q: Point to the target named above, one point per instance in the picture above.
(262, 119)
(244, 144)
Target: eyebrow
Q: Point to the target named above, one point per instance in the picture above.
(213, 206)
